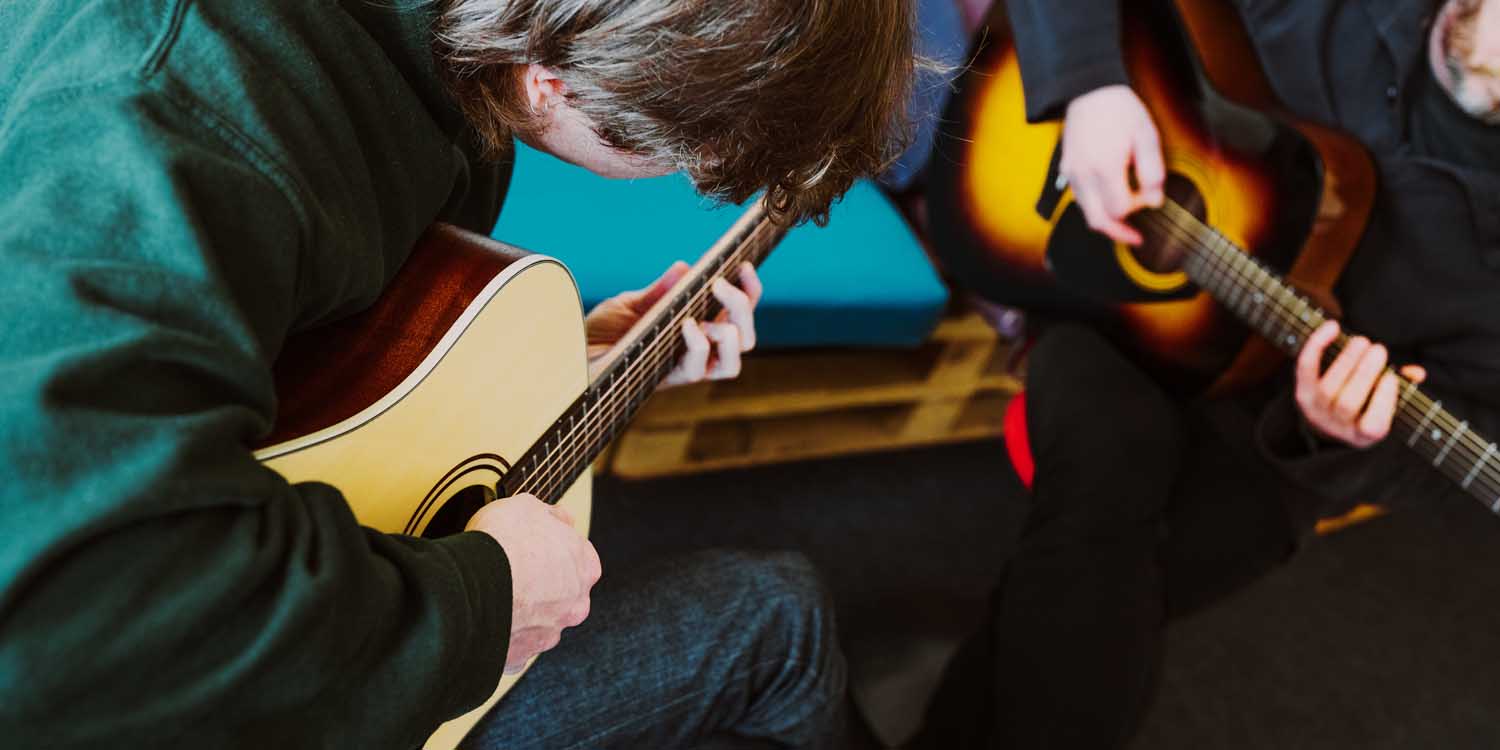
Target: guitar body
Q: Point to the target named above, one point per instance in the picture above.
(1294, 195)
(416, 408)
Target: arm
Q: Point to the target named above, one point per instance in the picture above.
(160, 587)
(1066, 49)
(1072, 66)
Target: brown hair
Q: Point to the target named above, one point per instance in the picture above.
(798, 97)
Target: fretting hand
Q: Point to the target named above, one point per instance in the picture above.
(1354, 400)
(713, 347)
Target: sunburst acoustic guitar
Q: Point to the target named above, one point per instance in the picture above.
(1263, 213)
(468, 381)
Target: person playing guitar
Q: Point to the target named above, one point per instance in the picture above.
(1143, 507)
(189, 182)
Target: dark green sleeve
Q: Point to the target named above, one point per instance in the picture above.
(158, 586)
(1066, 49)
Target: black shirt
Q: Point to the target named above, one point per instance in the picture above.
(1440, 129)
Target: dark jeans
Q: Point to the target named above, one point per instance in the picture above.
(718, 649)
(1142, 509)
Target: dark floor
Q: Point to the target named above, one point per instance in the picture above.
(1383, 636)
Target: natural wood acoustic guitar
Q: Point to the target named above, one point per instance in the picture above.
(468, 381)
(1263, 213)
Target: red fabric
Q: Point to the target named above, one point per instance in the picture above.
(1017, 442)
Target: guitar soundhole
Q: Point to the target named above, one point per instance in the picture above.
(454, 515)
(1163, 251)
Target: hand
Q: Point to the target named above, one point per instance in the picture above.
(1352, 401)
(713, 348)
(1106, 132)
(552, 569)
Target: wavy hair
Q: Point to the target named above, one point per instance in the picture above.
(796, 97)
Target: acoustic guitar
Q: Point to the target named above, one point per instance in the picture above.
(1237, 268)
(468, 381)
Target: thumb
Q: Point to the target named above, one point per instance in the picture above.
(561, 514)
(1414, 373)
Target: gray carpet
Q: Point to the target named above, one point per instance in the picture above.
(1383, 636)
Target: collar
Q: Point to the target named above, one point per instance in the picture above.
(1403, 26)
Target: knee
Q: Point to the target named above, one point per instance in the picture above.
(786, 594)
(1103, 435)
(796, 667)
(793, 613)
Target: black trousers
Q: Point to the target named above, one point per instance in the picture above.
(1142, 509)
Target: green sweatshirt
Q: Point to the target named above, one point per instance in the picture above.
(184, 183)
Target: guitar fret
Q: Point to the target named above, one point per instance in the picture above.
(1286, 301)
(1257, 310)
(1452, 438)
(1422, 426)
(1427, 419)
(1256, 282)
(1266, 304)
(1272, 322)
(1310, 317)
(1237, 290)
(556, 460)
(1489, 450)
(1255, 314)
(1216, 265)
(1407, 388)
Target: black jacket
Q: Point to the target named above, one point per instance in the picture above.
(1426, 278)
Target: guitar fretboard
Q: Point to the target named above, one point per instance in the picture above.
(650, 352)
(1273, 309)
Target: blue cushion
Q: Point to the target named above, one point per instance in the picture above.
(861, 281)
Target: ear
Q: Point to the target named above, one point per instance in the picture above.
(543, 89)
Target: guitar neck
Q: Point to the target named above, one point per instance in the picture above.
(635, 367)
(1276, 311)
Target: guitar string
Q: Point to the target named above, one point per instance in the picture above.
(630, 391)
(658, 356)
(1478, 468)
(622, 396)
(1474, 448)
(1472, 440)
(1487, 473)
(557, 463)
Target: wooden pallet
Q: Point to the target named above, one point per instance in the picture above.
(797, 405)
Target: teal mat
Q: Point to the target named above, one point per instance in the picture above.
(861, 281)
